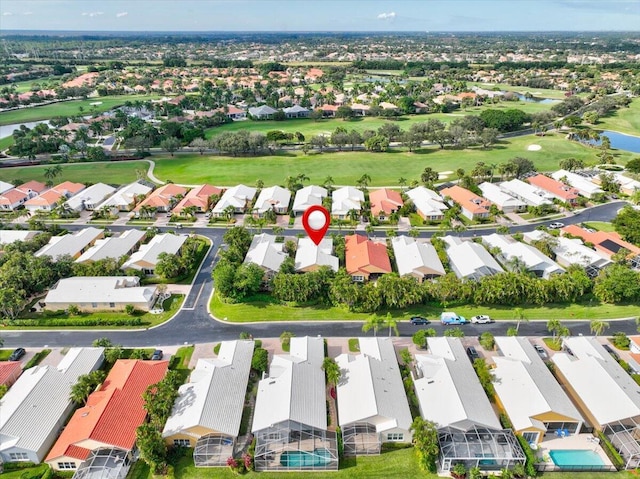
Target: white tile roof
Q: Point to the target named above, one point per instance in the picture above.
(308, 254)
(69, 244)
(569, 250)
(469, 259)
(239, 197)
(418, 258)
(345, 199)
(308, 196)
(273, 197)
(493, 193)
(530, 256)
(262, 110)
(371, 388)
(295, 109)
(582, 184)
(427, 201)
(125, 196)
(265, 252)
(448, 390)
(528, 193)
(148, 253)
(112, 247)
(521, 373)
(295, 387)
(214, 396)
(33, 409)
(91, 196)
(100, 289)
(607, 391)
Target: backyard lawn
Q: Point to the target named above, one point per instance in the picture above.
(117, 172)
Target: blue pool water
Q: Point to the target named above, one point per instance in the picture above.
(319, 457)
(576, 457)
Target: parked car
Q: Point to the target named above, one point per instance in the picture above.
(452, 318)
(472, 353)
(556, 225)
(207, 215)
(481, 319)
(416, 320)
(157, 355)
(613, 354)
(17, 354)
(543, 354)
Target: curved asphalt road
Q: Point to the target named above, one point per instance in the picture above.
(193, 324)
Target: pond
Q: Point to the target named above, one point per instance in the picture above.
(620, 141)
(7, 130)
(533, 99)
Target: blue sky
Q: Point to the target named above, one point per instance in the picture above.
(320, 15)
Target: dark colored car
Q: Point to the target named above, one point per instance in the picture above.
(17, 354)
(472, 353)
(157, 355)
(416, 320)
(613, 354)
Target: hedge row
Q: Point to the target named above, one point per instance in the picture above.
(78, 322)
(611, 452)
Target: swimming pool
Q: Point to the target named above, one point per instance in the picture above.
(575, 457)
(319, 457)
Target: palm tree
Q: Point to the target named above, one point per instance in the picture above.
(373, 322)
(259, 184)
(228, 213)
(190, 211)
(363, 181)
(285, 339)
(332, 371)
(392, 323)
(402, 181)
(598, 326)
(518, 313)
(553, 325)
(328, 183)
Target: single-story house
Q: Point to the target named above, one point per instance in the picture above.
(557, 189)
(296, 111)
(384, 202)
(125, 199)
(236, 113)
(520, 372)
(429, 204)
(266, 253)
(88, 198)
(110, 415)
(11, 236)
(163, 198)
(470, 260)
(345, 199)
(607, 243)
(290, 414)
(359, 109)
(512, 251)
(472, 205)
(48, 200)
(628, 186)
(275, 198)
(264, 112)
(306, 197)
(311, 257)
(146, 258)
(37, 406)
(100, 293)
(4, 186)
(372, 403)
(365, 259)
(207, 413)
(199, 198)
(16, 197)
(71, 244)
(329, 110)
(239, 197)
(531, 195)
(582, 184)
(505, 202)
(416, 258)
(113, 246)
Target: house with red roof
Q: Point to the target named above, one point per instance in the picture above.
(472, 205)
(384, 202)
(10, 371)
(365, 259)
(606, 243)
(198, 198)
(163, 198)
(556, 189)
(48, 200)
(111, 415)
(14, 197)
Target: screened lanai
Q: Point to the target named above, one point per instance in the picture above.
(361, 439)
(213, 450)
(111, 463)
(625, 437)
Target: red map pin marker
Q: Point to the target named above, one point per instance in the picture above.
(316, 222)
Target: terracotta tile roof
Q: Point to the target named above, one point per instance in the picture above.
(12, 196)
(33, 186)
(606, 242)
(467, 199)
(9, 371)
(162, 196)
(198, 197)
(363, 255)
(385, 200)
(556, 188)
(48, 198)
(112, 413)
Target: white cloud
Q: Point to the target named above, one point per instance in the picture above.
(7, 14)
(92, 14)
(387, 16)
(122, 14)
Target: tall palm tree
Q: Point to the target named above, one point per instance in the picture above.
(332, 371)
(391, 323)
(553, 325)
(598, 326)
(373, 322)
(518, 314)
(402, 181)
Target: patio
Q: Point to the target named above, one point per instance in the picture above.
(573, 442)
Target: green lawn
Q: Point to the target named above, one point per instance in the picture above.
(600, 226)
(266, 308)
(626, 120)
(24, 86)
(5, 353)
(68, 108)
(6, 142)
(537, 92)
(117, 172)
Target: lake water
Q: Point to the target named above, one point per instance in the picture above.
(7, 130)
(534, 99)
(620, 141)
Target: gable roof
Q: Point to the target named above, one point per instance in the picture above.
(162, 196)
(571, 251)
(272, 197)
(583, 185)
(607, 242)
(113, 246)
(556, 188)
(214, 396)
(4, 186)
(345, 199)
(385, 200)
(533, 258)
(528, 193)
(427, 201)
(238, 196)
(308, 196)
(413, 257)
(493, 193)
(363, 255)
(113, 412)
(69, 244)
(469, 259)
(371, 388)
(11, 236)
(309, 254)
(91, 196)
(162, 243)
(265, 252)
(126, 195)
(467, 199)
(198, 197)
(100, 289)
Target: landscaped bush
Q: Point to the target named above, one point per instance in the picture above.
(37, 358)
(79, 322)
(621, 341)
(531, 457)
(611, 452)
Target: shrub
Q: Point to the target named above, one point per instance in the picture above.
(260, 360)
(130, 309)
(531, 457)
(611, 452)
(73, 310)
(487, 341)
(621, 341)
(78, 322)
(216, 349)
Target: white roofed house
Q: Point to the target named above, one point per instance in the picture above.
(4, 186)
(583, 185)
(514, 254)
(296, 111)
(372, 404)
(264, 112)
(239, 198)
(607, 395)
(311, 257)
(290, 415)
(470, 260)
(505, 202)
(344, 200)
(71, 244)
(429, 204)
(207, 413)
(274, 198)
(125, 199)
(146, 258)
(35, 409)
(113, 246)
(11, 236)
(520, 373)
(266, 253)
(417, 259)
(306, 197)
(88, 198)
(530, 194)
(450, 395)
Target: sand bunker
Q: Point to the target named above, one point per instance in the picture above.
(444, 174)
(534, 148)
